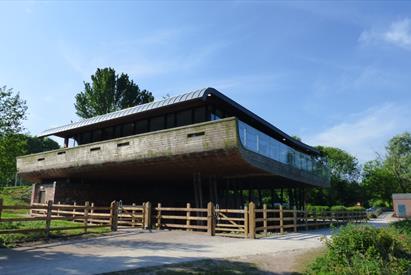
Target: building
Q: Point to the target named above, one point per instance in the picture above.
(402, 205)
(197, 147)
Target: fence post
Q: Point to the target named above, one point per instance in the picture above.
(245, 222)
(92, 212)
(265, 223)
(295, 218)
(1, 206)
(306, 219)
(133, 218)
(86, 209)
(143, 219)
(147, 217)
(159, 216)
(281, 219)
(113, 215)
(188, 217)
(315, 218)
(210, 219)
(48, 217)
(74, 210)
(251, 219)
(58, 209)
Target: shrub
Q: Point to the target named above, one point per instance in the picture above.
(365, 250)
(403, 226)
(355, 208)
(317, 208)
(338, 208)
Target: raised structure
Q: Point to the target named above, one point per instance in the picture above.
(197, 147)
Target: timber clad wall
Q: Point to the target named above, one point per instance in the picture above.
(199, 138)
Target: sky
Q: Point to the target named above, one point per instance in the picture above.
(333, 73)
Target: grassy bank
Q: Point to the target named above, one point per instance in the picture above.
(21, 196)
(361, 249)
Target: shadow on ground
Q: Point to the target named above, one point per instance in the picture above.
(199, 267)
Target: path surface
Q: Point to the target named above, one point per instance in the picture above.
(130, 249)
(133, 248)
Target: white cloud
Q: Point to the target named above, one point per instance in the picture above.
(398, 34)
(366, 133)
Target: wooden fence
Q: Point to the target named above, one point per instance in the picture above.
(249, 222)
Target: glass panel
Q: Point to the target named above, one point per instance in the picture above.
(141, 126)
(184, 118)
(199, 115)
(157, 123)
(258, 142)
(128, 129)
(97, 135)
(170, 121)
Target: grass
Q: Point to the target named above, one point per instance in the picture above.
(21, 196)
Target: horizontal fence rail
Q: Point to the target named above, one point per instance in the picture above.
(249, 222)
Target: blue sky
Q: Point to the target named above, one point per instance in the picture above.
(336, 74)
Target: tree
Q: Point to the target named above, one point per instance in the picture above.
(344, 186)
(109, 92)
(12, 111)
(398, 160)
(37, 145)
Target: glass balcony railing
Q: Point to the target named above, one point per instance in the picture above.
(260, 143)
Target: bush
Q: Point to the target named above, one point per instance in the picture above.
(365, 250)
(403, 226)
(355, 208)
(317, 208)
(338, 208)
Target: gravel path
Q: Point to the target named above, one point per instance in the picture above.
(130, 249)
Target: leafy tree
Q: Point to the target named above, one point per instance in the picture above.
(378, 183)
(344, 187)
(12, 111)
(11, 146)
(398, 160)
(37, 145)
(109, 92)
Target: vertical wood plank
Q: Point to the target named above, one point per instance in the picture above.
(265, 223)
(251, 210)
(147, 222)
(246, 213)
(295, 218)
(48, 217)
(86, 209)
(1, 206)
(113, 215)
(74, 210)
(281, 219)
(210, 219)
(133, 216)
(188, 217)
(159, 216)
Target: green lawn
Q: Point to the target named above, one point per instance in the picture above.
(21, 196)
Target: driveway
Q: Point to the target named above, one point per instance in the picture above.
(133, 248)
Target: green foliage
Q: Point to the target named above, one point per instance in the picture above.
(338, 208)
(403, 226)
(12, 111)
(11, 146)
(16, 195)
(365, 250)
(37, 145)
(109, 92)
(317, 208)
(344, 182)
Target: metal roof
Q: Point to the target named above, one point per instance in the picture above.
(201, 94)
(125, 112)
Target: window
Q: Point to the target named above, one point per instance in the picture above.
(157, 123)
(97, 135)
(183, 118)
(141, 126)
(128, 129)
(170, 121)
(199, 115)
(118, 131)
(108, 133)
